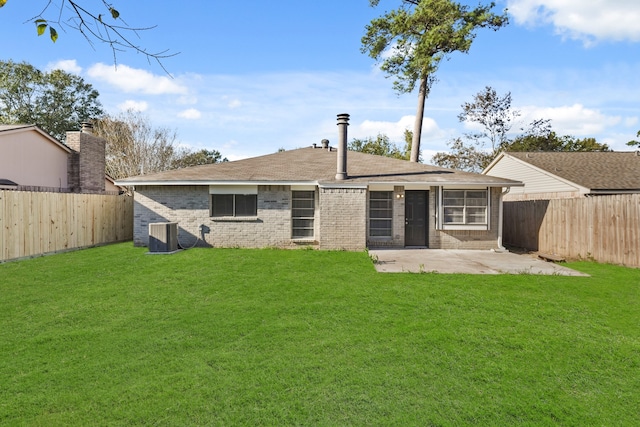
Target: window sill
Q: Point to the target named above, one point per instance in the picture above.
(235, 219)
(304, 241)
(483, 227)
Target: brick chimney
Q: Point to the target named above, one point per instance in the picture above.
(86, 165)
(341, 169)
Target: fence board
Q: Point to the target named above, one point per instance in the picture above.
(35, 223)
(603, 228)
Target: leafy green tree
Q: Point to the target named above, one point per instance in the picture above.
(410, 42)
(634, 143)
(493, 113)
(461, 156)
(382, 146)
(496, 118)
(552, 142)
(56, 100)
(197, 158)
(100, 23)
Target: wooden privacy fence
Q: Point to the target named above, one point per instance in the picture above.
(34, 223)
(603, 228)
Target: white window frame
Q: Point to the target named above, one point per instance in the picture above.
(464, 225)
(303, 217)
(389, 218)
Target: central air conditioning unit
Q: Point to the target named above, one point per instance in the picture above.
(163, 237)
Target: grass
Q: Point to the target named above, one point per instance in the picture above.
(110, 336)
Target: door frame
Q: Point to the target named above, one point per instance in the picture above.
(425, 215)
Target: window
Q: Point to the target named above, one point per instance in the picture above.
(465, 207)
(234, 205)
(302, 214)
(381, 213)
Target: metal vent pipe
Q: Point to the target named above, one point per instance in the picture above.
(341, 169)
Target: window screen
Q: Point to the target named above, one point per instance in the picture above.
(381, 213)
(465, 207)
(234, 205)
(302, 214)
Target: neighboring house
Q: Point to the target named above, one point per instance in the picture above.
(553, 175)
(33, 160)
(111, 187)
(324, 197)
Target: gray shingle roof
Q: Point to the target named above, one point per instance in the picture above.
(316, 165)
(612, 170)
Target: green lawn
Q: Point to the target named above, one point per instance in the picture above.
(111, 336)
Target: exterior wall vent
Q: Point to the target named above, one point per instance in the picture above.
(163, 237)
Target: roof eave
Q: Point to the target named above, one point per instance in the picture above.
(125, 182)
(451, 183)
(324, 184)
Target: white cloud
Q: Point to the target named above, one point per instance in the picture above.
(132, 80)
(395, 130)
(130, 104)
(292, 110)
(190, 114)
(234, 103)
(630, 121)
(588, 21)
(187, 100)
(68, 65)
(574, 120)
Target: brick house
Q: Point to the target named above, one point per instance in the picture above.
(32, 160)
(325, 197)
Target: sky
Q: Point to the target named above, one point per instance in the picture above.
(249, 78)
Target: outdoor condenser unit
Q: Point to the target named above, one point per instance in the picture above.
(163, 237)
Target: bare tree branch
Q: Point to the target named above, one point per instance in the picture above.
(107, 27)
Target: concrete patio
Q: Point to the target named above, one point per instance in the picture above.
(464, 261)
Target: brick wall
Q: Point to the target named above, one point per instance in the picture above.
(340, 220)
(86, 164)
(343, 218)
(189, 206)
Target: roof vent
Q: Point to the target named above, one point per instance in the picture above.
(325, 144)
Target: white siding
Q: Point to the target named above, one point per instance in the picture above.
(536, 182)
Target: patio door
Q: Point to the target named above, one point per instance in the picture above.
(416, 208)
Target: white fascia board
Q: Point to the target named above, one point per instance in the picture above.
(344, 185)
(450, 183)
(209, 183)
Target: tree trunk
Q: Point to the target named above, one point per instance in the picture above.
(417, 126)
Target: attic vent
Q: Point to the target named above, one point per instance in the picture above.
(324, 143)
(163, 237)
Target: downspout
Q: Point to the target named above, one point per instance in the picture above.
(500, 218)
